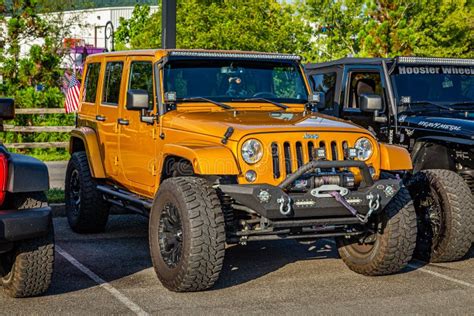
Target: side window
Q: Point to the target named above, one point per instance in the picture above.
(90, 84)
(326, 83)
(363, 83)
(113, 77)
(141, 77)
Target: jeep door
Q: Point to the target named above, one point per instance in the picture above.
(136, 138)
(358, 80)
(107, 112)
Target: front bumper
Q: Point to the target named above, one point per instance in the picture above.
(275, 203)
(306, 205)
(16, 225)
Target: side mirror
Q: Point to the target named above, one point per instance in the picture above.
(137, 99)
(317, 100)
(370, 102)
(7, 109)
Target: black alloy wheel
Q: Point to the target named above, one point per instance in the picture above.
(170, 235)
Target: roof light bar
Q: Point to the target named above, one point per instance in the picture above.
(435, 61)
(235, 55)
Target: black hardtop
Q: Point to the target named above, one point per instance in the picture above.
(347, 61)
(401, 60)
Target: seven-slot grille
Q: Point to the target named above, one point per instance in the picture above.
(287, 156)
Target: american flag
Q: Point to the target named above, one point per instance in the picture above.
(71, 104)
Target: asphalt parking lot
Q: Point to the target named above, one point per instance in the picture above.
(111, 273)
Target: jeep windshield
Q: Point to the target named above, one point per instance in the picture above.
(226, 80)
(434, 87)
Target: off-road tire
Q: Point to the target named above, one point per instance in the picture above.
(93, 211)
(455, 221)
(394, 240)
(28, 268)
(202, 231)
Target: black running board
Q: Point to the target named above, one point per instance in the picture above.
(125, 199)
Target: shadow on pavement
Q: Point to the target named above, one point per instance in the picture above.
(246, 263)
(123, 251)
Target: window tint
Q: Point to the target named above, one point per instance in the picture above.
(287, 83)
(364, 83)
(113, 77)
(92, 79)
(326, 83)
(232, 80)
(141, 77)
(435, 87)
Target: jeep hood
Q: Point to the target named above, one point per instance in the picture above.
(456, 126)
(251, 122)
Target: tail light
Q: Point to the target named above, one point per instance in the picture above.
(3, 176)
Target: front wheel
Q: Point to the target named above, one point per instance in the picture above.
(389, 247)
(187, 235)
(27, 269)
(445, 213)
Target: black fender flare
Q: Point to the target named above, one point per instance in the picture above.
(436, 148)
(26, 174)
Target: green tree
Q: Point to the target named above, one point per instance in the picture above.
(383, 28)
(453, 31)
(263, 25)
(40, 22)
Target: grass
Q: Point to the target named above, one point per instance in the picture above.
(55, 196)
(58, 156)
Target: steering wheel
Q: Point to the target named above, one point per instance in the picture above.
(265, 94)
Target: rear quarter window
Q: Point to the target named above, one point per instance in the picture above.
(91, 82)
(112, 80)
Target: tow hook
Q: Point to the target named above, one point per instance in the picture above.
(374, 205)
(284, 210)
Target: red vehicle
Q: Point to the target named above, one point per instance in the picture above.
(26, 230)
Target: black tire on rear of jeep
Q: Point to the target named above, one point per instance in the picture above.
(27, 269)
(86, 210)
(445, 214)
(391, 247)
(187, 234)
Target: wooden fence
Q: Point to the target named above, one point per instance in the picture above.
(38, 129)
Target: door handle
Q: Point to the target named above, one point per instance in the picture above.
(122, 121)
(100, 118)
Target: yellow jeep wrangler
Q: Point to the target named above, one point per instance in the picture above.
(221, 147)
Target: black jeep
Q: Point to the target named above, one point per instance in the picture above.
(26, 230)
(427, 106)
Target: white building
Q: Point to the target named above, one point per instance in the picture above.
(87, 29)
(95, 20)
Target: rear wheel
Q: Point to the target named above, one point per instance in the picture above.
(445, 215)
(187, 235)
(27, 269)
(86, 210)
(389, 247)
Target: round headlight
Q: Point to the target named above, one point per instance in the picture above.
(252, 151)
(364, 148)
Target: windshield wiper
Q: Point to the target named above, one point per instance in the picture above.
(222, 105)
(444, 107)
(268, 101)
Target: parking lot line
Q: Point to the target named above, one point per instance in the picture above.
(101, 282)
(418, 266)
